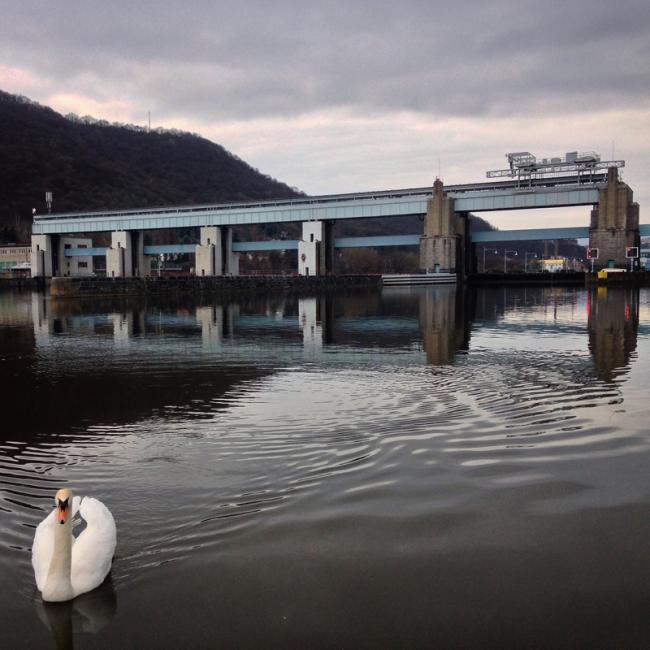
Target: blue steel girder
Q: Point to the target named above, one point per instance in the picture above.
(529, 234)
(269, 245)
(525, 199)
(169, 248)
(84, 252)
(536, 234)
(380, 204)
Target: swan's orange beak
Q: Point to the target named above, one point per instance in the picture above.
(62, 511)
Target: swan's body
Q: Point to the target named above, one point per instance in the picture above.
(65, 566)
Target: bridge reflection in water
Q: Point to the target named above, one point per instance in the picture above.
(461, 440)
(432, 324)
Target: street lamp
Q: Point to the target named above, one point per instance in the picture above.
(534, 255)
(492, 250)
(505, 259)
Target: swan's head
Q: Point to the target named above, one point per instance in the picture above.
(63, 505)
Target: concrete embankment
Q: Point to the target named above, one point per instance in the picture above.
(559, 279)
(627, 279)
(24, 284)
(93, 287)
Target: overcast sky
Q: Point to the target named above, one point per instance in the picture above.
(344, 96)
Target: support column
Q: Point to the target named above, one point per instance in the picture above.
(614, 223)
(119, 257)
(315, 249)
(209, 253)
(141, 262)
(41, 256)
(230, 258)
(442, 245)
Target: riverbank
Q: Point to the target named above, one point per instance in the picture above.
(94, 287)
(25, 284)
(560, 279)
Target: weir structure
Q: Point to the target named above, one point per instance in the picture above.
(445, 243)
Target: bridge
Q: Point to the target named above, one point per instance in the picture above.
(445, 243)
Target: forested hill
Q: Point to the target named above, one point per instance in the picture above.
(90, 164)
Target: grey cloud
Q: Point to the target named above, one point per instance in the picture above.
(256, 59)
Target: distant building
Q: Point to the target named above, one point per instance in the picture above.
(14, 258)
(553, 264)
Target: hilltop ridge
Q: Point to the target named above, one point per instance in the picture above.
(91, 164)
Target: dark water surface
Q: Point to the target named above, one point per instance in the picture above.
(412, 468)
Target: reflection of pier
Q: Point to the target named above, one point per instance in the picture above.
(311, 323)
(404, 320)
(361, 326)
(444, 323)
(613, 320)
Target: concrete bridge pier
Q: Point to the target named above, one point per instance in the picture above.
(614, 223)
(444, 244)
(214, 255)
(125, 258)
(316, 248)
(48, 256)
(231, 259)
(42, 256)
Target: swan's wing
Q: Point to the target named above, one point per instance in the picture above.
(92, 553)
(42, 549)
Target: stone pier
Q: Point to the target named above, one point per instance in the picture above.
(614, 223)
(444, 244)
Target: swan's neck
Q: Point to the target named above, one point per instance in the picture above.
(58, 586)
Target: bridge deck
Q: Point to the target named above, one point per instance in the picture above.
(475, 197)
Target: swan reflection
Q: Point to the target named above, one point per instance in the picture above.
(86, 614)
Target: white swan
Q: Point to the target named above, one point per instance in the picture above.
(65, 566)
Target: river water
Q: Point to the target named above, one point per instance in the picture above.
(423, 467)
